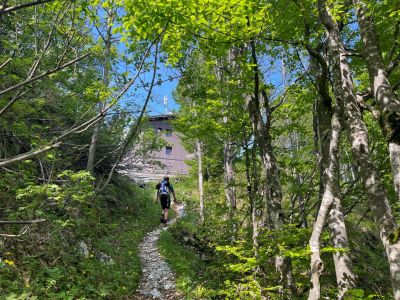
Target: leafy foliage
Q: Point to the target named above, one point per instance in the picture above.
(231, 55)
(54, 266)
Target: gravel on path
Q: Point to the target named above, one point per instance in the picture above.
(158, 280)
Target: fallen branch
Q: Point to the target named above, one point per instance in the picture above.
(23, 222)
(23, 230)
(13, 235)
(21, 233)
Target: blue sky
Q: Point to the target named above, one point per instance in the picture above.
(135, 97)
(156, 106)
(133, 100)
(137, 94)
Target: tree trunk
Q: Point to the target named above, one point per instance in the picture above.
(229, 175)
(387, 100)
(298, 196)
(101, 104)
(272, 191)
(302, 203)
(344, 273)
(256, 209)
(343, 267)
(200, 176)
(358, 137)
(324, 113)
(331, 193)
(94, 140)
(252, 187)
(394, 153)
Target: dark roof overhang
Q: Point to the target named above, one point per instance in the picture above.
(162, 117)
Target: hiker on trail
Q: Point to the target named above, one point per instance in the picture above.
(164, 189)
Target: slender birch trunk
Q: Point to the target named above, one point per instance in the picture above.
(358, 137)
(94, 140)
(331, 193)
(200, 176)
(387, 100)
(101, 104)
(344, 273)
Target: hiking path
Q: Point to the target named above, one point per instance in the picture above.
(158, 280)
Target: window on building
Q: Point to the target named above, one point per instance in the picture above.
(168, 150)
(168, 132)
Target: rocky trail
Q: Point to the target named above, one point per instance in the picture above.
(158, 280)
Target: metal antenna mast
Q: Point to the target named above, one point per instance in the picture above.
(166, 104)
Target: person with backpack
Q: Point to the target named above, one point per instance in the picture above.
(164, 189)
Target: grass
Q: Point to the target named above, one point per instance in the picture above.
(191, 272)
(57, 270)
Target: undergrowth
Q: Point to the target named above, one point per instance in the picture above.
(84, 250)
(217, 260)
(192, 273)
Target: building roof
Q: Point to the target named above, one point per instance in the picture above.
(162, 117)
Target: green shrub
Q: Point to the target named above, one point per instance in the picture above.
(47, 261)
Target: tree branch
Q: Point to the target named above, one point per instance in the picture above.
(283, 97)
(56, 142)
(49, 72)
(392, 65)
(28, 155)
(135, 129)
(6, 10)
(5, 63)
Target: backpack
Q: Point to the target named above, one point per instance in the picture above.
(163, 188)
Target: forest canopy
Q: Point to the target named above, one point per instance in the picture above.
(291, 106)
